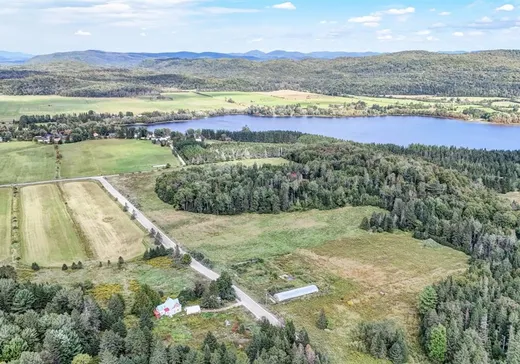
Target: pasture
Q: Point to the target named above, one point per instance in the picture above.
(112, 156)
(363, 276)
(26, 162)
(5, 223)
(108, 231)
(48, 234)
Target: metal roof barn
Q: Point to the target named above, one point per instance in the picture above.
(298, 292)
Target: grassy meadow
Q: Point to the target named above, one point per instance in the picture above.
(362, 276)
(5, 223)
(30, 162)
(112, 156)
(26, 162)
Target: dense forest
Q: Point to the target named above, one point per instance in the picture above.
(449, 195)
(51, 324)
(489, 73)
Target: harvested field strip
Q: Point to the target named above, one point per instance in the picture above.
(48, 234)
(5, 223)
(108, 230)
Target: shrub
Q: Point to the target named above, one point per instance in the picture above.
(186, 259)
(64, 267)
(35, 267)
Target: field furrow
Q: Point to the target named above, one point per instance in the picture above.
(48, 234)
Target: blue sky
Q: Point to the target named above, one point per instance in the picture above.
(44, 26)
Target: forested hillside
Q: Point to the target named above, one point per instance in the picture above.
(490, 73)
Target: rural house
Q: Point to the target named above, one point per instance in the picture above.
(169, 308)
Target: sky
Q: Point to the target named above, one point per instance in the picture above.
(47, 26)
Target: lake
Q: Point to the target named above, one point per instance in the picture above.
(401, 130)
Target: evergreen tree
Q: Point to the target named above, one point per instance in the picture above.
(427, 300)
(322, 322)
(437, 344)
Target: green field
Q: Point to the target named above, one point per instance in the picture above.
(30, 162)
(26, 162)
(363, 276)
(5, 223)
(12, 107)
(112, 156)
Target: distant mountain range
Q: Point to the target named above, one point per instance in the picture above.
(117, 59)
(13, 57)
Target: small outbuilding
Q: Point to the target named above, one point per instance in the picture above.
(192, 310)
(169, 308)
(295, 293)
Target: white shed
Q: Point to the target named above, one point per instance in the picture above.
(298, 292)
(192, 310)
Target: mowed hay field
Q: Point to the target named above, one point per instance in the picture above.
(112, 156)
(362, 276)
(5, 223)
(49, 237)
(108, 231)
(26, 162)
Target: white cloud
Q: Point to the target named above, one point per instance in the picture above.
(328, 22)
(485, 19)
(433, 10)
(83, 33)
(458, 34)
(403, 11)
(219, 10)
(475, 33)
(438, 25)
(385, 37)
(371, 25)
(285, 6)
(423, 32)
(506, 7)
(143, 34)
(257, 40)
(365, 19)
(432, 38)
(444, 13)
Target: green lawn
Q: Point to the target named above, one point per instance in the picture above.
(362, 276)
(112, 156)
(26, 162)
(5, 223)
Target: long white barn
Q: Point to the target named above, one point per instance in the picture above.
(295, 293)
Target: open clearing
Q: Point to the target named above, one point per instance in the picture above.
(48, 234)
(26, 162)
(362, 276)
(112, 156)
(5, 223)
(108, 230)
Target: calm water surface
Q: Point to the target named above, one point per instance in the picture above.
(401, 130)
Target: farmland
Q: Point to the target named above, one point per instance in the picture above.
(49, 237)
(76, 221)
(12, 107)
(26, 162)
(30, 162)
(363, 276)
(112, 156)
(5, 222)
(108, 230)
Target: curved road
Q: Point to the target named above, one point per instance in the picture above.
(255, 308)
